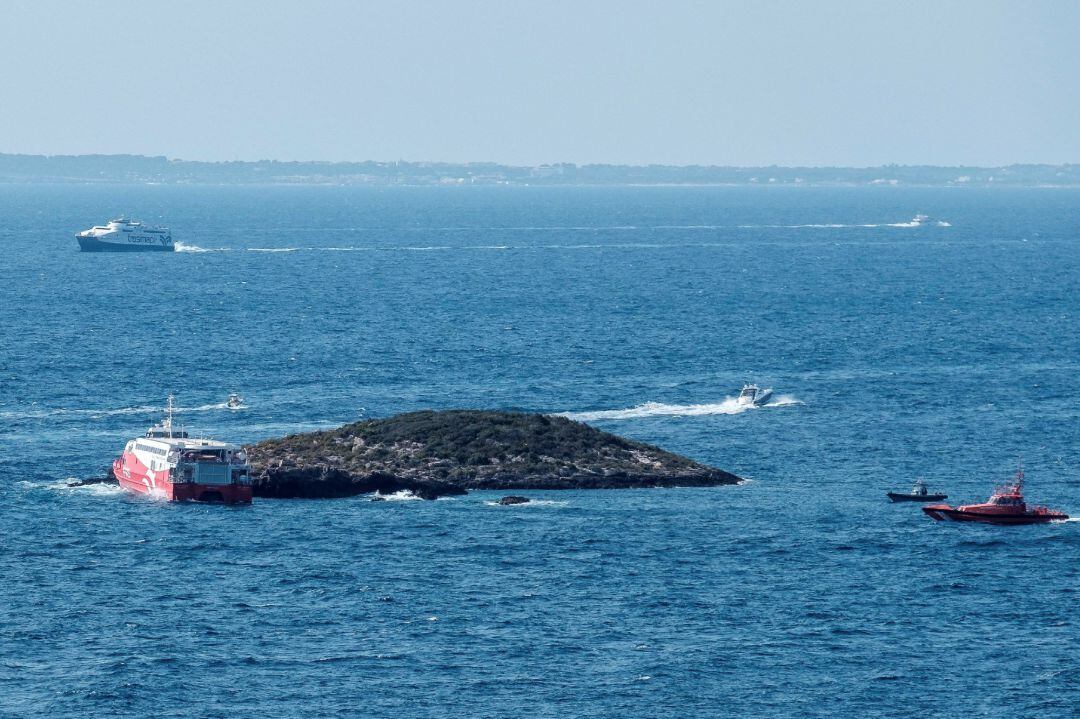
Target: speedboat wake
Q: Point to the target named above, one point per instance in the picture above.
(730, 405)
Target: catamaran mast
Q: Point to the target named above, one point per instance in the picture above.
(167, 424)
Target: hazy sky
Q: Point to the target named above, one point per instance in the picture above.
(733, 83)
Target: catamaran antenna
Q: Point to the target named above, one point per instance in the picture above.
(169, 414)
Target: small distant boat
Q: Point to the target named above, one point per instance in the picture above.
(122, 235)
(235, 401)
(1005, 506)
(923, 220)
(918, 493)
(753, 396)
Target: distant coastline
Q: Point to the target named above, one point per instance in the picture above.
(141, 169)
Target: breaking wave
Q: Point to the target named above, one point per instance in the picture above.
(657, 409)
(402, 495)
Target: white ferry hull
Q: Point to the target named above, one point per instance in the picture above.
(131, 243)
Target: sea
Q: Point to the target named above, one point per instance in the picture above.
(946, 349)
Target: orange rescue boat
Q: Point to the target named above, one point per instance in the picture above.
(1005, 506)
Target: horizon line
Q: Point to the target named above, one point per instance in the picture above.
(565, 163)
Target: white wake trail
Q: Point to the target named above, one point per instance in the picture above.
(658, 409)
(44, 413)
(184, 247)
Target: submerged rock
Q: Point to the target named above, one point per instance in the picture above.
(106, 478)
(434, 454)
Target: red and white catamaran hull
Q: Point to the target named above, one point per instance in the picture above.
(134, 476)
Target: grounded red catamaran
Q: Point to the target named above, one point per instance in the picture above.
(167, 463)
(1005, 506)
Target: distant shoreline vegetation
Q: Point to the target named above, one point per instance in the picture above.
(136, 169)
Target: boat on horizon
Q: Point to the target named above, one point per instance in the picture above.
(168, 463)
(123, 235)
(1005, 506)
(918, 493)
(753, 396)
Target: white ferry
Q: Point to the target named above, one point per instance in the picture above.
(122, 235)
(167, 463)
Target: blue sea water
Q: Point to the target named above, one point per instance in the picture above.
(947, 350)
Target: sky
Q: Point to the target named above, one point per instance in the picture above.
(843, 82)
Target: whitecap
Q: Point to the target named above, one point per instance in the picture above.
(402, 495)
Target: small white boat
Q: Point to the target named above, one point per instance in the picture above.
(752, 395)
(235, 401)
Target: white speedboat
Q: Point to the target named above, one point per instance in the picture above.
(752, 395)
(121, 235)
(235, 401)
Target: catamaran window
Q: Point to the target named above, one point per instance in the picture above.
(151, 450)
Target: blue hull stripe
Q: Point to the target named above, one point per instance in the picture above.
(89, 244)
